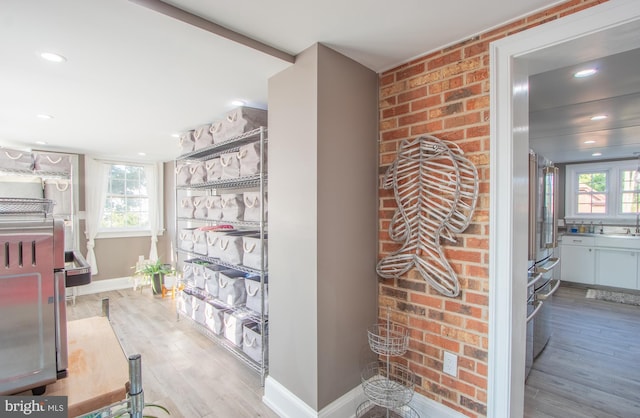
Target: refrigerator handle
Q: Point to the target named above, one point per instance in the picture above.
(533, 186)
(552, 172)
(545, 296)
(538, 304)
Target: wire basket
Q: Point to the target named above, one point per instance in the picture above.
(388, 339)
(389, 384)
(368, 409)
(21, 206)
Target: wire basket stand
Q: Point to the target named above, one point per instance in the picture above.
(388, 385)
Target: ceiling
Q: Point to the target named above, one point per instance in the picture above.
(133, 76)
(561, 107)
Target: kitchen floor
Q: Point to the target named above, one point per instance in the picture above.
(181, 369)
(591, 365)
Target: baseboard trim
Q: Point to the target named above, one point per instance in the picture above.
(103, 286)
(283, 402)
(287, 405)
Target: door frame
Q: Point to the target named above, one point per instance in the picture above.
(566, 41)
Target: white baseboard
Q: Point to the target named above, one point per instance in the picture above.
(287, 405)
(102, 286)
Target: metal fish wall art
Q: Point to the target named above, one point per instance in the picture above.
(436, 190)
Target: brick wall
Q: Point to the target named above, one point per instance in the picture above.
(446, 94)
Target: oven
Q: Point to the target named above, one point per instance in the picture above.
(33, 322)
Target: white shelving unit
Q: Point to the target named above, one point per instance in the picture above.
(258, 361)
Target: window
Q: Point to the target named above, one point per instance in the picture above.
(602, 191)
(630, 196)
(592, 193)
(127, 200)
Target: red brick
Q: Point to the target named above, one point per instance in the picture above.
(414, 118)
(396, 111)
(410, 71)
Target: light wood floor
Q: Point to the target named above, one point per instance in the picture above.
(181, 369)
(591, 365)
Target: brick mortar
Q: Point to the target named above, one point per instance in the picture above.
(460, 71)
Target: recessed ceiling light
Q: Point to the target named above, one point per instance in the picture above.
(50, 56)
(585, 73)
(596, 154)
(142, 154)
(599, 117)
(175, 135)
(44, 116)
(590, 141)
(237, 103)
(41, 143)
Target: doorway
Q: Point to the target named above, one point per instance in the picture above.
(601, 30)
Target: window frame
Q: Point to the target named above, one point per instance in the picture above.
(613, 207)
(137, 232)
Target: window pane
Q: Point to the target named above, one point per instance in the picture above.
(592, 193)
(127, 203)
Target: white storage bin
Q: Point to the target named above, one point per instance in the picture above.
(198, 308)
(199, 207)
(230, 248)
(252, 252)
(186, 143)
(16, 160)
(233, 326)
(185, 208)
(252, 341)
(218, 132)
(214, 208)
(52, 163)
(254, 296)
(253, 205)
(231, 290)
(199, 276)
(232, 207)
(188, 274)
(183, 175)
(230, 166)
(249, 159)
(186, 239)
(202, 137)
(200, 241)
(243, 119)
(198, 173)
(214, 169)
(214, 316)
(59, 190)
(211, 279)
(184, 304)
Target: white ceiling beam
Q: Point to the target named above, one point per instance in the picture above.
(202, 23)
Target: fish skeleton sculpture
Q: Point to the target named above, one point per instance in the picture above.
(436, 189)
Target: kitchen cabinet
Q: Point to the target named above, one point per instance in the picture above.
(577, 259)
(617, 267)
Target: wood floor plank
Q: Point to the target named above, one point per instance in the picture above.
(181, 369)
(590, 367)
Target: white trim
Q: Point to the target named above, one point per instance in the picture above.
(287, 405)
(508, 67)
(98, 286)
(283, 402)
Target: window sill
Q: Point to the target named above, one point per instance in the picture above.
(125, 234)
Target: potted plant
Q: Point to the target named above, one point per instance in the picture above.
(154, 273)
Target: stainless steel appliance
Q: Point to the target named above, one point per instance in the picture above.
(33, 332)
(543, 234)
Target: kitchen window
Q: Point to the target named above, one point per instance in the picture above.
(602, 191)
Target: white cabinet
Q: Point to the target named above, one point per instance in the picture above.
(577, 259)
(617, 267)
